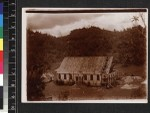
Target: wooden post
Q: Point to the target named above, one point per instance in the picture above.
(100, 78)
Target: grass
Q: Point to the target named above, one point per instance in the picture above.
(136, 70)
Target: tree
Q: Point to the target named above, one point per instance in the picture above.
(35, 65)
(141, 15)
(135, 20)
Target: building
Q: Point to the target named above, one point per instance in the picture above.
(47, 77)
(93, 71)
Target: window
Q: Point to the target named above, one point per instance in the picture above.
(76, 78)
(59, 76)
(91, 77)
(97, 77)
(85, 77)
(64, 76)
(70, 76)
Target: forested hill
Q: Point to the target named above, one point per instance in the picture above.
(127, 46)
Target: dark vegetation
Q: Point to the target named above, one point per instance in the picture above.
(61, 82)
(43, 51)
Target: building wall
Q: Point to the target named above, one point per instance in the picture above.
(88, 81)
(65, 77)
(94, 81)
(80, 78)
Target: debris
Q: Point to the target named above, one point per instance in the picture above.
(127, 79)
(127, 86)
(131, 79)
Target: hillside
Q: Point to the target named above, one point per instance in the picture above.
(127, 46)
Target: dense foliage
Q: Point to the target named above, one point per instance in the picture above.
(45, 52)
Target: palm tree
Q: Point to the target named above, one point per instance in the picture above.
(141, 15)
(135, 20)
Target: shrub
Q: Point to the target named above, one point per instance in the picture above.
(88, 84)
(70, 83)
(59, 82)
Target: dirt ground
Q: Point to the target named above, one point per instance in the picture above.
(77, 92)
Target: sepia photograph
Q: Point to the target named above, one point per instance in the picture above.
(84, 55)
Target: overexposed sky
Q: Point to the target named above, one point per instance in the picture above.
(62, 24)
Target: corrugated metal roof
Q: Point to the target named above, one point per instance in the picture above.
(84, 64)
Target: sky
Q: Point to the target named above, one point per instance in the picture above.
(62, 24)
